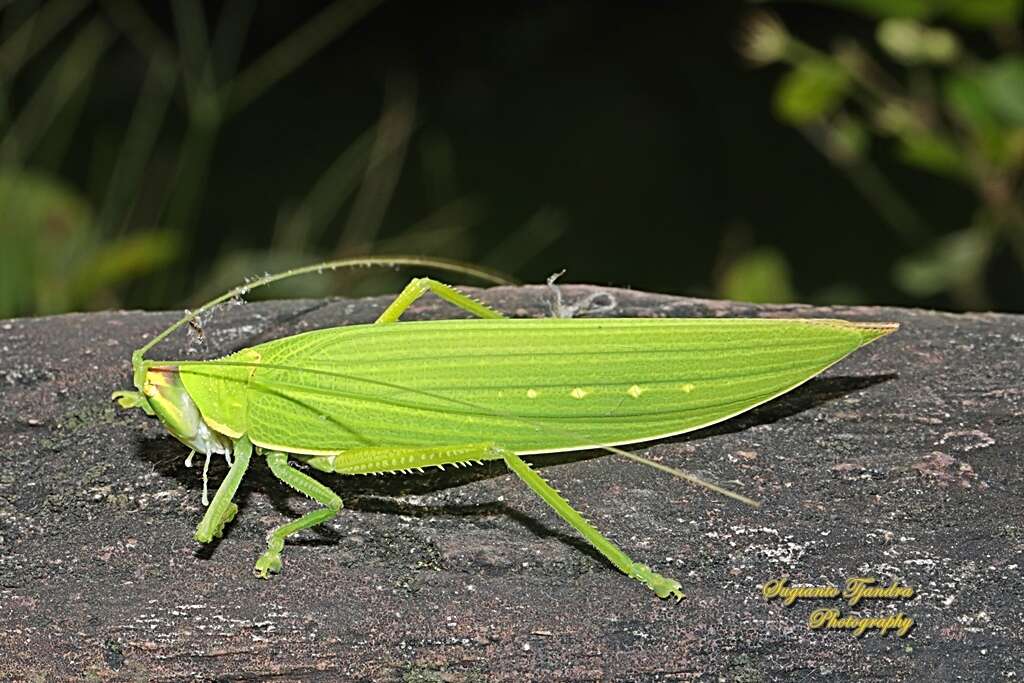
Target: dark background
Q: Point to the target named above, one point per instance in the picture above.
(628, 143)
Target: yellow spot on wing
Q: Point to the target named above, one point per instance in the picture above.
(635, 391)
(531, 393)
(578, 393)
(687, 388)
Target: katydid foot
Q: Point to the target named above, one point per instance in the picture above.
(205, 534)
(270, 561)
(662, 586)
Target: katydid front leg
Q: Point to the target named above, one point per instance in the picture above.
(222, 510)
(375, 460)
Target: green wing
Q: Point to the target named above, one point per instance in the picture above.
(528, 385)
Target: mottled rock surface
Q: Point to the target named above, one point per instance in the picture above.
(903, 461)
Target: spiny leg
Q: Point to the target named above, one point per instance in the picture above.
(387, 459)
(419, 286)
(222, 510)
(382, 459)
(270, 561)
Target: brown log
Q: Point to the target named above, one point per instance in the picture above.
(902, 462)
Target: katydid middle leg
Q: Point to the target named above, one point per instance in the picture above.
(419, 286)
(380, 459)
(270, 560)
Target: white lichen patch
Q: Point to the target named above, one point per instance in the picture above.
(768, 546)
(967, 439)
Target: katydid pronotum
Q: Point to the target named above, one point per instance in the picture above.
(401, 396)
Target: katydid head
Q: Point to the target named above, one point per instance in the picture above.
(166, 396)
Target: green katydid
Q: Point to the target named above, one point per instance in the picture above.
(401, 396)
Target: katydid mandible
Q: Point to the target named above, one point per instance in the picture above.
(394, 397)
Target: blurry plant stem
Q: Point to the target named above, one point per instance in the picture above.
(208, 105)
(864, 70)
(190, 176)
(969, 290)
(387, 158)
(521, 246)
(194, 55)
(140, 30)
(924, 96)
(60, 85)
(140, 139)
(294, 50)
(876, 189)
(442, 231)
(35, 33)
(54, 143)
(868, 73)
(970, 293)
(309, 220)
(229, 38)
(204, 114)
(1004, 205)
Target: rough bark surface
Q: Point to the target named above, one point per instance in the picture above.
(902, 462)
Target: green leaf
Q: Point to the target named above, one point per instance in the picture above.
(965, 97)
(53, 258)
(1002, 83)
(123, 259)
(903, 39)
(34, 202)
(984, 12)
(966, 100)
(910, 42)
(970, 12)
(848, 139)
(811, 90)
(915, 9)
(932, 152)
(44, 225)
(761, 275)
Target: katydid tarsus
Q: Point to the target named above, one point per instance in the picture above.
(401, 396)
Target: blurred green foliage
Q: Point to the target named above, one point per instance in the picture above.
(759, 274)
(54, 259)
(921, 96)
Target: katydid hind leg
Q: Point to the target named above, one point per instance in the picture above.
(663, 586)
(222, 510)
(270, 561)
(417, 287)
(390, 459)
(377, 460)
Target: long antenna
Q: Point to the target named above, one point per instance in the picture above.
(364, 261)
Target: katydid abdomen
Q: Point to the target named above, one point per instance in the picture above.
(530, 386)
